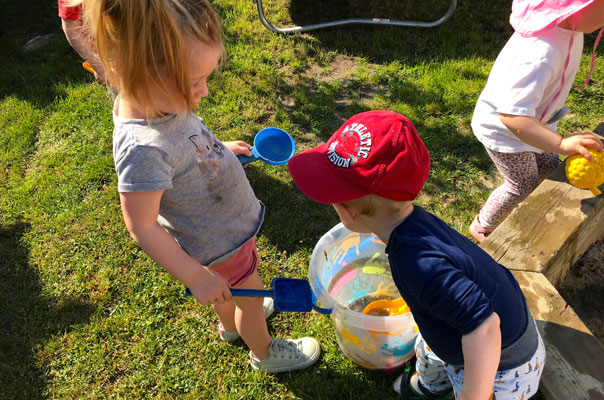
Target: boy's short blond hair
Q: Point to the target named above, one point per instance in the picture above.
(372, 204)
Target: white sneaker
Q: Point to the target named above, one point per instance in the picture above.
(288, 355)
(233, 336)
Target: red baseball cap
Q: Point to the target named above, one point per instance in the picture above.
(375, 152)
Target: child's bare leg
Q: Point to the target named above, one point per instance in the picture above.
(250, 321)
(226, 314)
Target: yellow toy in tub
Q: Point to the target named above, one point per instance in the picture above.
(386, 308)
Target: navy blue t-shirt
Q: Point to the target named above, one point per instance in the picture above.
(451, 285)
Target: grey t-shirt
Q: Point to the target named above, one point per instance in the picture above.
(208, 205)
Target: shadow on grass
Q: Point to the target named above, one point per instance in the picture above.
(292, 221)
(437, 117)
(355, 384)
(36, 76)
(28, 318)
(350, 383)
(476, 27)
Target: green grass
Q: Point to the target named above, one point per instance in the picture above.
(85, 314)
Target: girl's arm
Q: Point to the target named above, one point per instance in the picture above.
(531, 131)
(84, 45)
(481, 352)
(140, 210)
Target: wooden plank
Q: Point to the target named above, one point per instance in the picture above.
(574, 365)
(550, 230)
(545, 302)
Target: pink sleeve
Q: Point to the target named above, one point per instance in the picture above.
(65, 12)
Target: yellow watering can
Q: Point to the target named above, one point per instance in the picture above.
(586, 174)
(386, 308)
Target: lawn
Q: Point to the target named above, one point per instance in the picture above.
(86, 314)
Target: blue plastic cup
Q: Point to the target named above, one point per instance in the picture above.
(274, 146)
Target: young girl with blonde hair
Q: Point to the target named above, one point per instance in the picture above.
(184, 195)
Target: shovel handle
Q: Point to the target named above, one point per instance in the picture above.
(245, 160)
(252, 293)
(243, 292)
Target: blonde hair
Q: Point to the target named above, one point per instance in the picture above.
(372, 204)
(137, 39)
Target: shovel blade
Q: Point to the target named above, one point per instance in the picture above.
(292, 295)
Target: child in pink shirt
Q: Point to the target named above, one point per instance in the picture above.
(517, 113)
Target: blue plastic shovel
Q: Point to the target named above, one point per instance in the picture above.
(274, 146)
(289, 294)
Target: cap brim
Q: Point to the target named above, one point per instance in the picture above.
(315, 177)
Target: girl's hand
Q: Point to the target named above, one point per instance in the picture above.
(579, 143)
(211, 289)
(141, 210)
(239, 147)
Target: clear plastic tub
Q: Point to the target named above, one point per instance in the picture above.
(347, 271)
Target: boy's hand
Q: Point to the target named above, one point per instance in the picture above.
(579, 143)
(239, 147)
(211, 289)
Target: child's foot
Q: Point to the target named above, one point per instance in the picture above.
(409, 387)
(478, 231)
(288, 355)
(233, 336)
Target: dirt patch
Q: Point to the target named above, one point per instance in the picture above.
(583, 289)
(338, 69)
(362, 95)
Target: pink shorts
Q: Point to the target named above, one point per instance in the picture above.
(239, 267)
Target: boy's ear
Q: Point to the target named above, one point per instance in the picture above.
(352, 212)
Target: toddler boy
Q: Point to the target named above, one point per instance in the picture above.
(477, 336)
